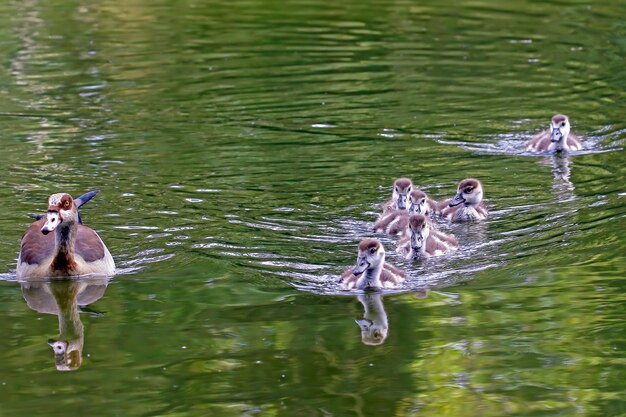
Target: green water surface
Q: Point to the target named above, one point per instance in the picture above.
(243, 149)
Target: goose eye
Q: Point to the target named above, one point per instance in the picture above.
(373, 251)
(563, 124)
(468, 190)
(66, 204)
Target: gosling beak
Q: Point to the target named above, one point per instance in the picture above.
(361, 266)
(402, 202)
(364, 324)
(53, 219)
(458, 199)
(415, 208)
(556, 135)
(417, 240)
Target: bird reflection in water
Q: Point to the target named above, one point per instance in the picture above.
(63, 297)
(373, 324)
(561, 171)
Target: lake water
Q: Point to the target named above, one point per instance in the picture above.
(244, 148)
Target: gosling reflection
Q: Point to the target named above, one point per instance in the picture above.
(63, 298)
(374, 325)
(561, 172)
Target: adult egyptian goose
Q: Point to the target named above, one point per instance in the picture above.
(73, 249)
(371, 270)
(467, 205)
(557, 138)
(424, 240)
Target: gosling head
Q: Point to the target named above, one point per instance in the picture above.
(401, 189)
(559, 129)
(469, 192)
(61, 210)
(417, 202)
(418, 225)
(371, 255)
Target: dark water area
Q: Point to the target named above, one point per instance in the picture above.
(244, 148)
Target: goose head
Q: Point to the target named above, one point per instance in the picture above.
(559, 129)
(401, 189)
(417, 202)
(469, 192)
(371, 255)
(61, 210)
(418, 225)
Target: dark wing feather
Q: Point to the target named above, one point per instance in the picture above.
(36, 246)
(88, 244)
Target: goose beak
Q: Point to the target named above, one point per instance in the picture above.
(556, 135)
(458, 199)
(53, 219)
(361, 266)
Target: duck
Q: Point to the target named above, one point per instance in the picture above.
(467, 204)
(557, 138)
(58, 245)
(371, 272)
(424, 240)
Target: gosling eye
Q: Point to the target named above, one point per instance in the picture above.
(468, 190)
(372, 251)
(563, 124)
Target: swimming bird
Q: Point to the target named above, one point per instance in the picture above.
(394, 218)
(467, 205)
(425, 241)
(371, 271)
(72, 249)
(421, 203)
(556, 138)
(401, 189)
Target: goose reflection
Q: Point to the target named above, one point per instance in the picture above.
(373, 324)
(63, 297)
